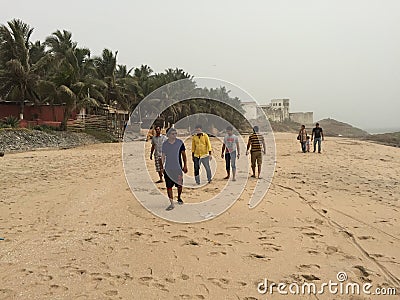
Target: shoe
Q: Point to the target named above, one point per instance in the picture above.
(170, 207)
(180, 201)
(159, 181)
(227, 177)
(253, 176)
(209, 181)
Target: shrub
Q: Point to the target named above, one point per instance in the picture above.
(10, 122)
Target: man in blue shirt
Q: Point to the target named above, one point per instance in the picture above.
(173, 152)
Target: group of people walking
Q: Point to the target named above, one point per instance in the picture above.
(170, 159)
(317, 136)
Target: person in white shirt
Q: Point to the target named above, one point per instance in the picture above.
(231, 150)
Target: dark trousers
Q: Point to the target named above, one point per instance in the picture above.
(230, 161)
(317, 140)
(206, 163)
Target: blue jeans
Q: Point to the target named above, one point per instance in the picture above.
(304, 146)
(230, 160)
(317, 140)
(206, 163)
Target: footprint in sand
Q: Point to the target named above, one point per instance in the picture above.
(362, 272)
(310, 277)
(7, 294)
(366, 237)
(220, 282)
(258, 256)
(313, 235)
(331, 249)
(214, 253)
(313, 252)
(160, 286)
(111, 293)
(58, 288)
(309, 267)
(145, 280)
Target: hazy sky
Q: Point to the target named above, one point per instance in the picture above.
(338, 58)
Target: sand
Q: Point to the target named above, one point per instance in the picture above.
(73, 230)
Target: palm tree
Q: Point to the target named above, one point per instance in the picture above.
(106, 67)
(17, 80)
(73, 79)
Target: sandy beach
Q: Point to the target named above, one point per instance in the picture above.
(72, 228)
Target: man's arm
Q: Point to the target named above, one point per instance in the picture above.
(193, 147)
(248, 146)
(223, 150)
(322, 134)
(238, 148)
(264, 148)
(208, 144)
(184, 169)
(162, 160)
(152, 150)
(312, 135)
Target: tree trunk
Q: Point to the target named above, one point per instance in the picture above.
(21, 113)
(67, 113)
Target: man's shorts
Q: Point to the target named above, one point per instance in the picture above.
(173, 177)
(158, 163)
(256, 156)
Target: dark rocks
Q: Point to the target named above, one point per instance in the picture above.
(25, 140)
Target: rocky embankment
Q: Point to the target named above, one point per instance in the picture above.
(24, 140)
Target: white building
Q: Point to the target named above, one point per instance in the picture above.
(250, 109)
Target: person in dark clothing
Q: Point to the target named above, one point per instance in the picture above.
(318, 136)
(173, 152)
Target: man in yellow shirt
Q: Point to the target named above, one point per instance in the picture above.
(201, 153)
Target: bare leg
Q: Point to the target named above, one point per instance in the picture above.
(227, 174)
(259, 170)
(171, 195)
(179, 192)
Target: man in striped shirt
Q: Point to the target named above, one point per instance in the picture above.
(256, 144)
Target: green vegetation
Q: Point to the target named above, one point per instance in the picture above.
(57, 71)
(9, 122)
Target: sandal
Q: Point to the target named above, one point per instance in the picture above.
(170, 207)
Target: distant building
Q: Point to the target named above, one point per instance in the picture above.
(277, 111)
(251, 110)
